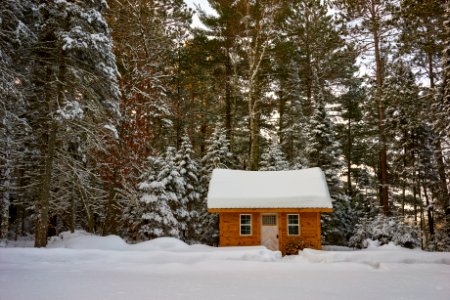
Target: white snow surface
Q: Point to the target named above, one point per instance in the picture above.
(84, 266)
(306, 188)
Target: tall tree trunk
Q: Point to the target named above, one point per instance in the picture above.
(5, 181)
(42, 206)
(444, 195)
(404, 181)
(281, 111)
(254, 135)
(429, 212)
(4, 211)
(228, 101)
(110, 212)
(307, 107)
(72, 211)
(349, 158)
(446, 95)
(403, 198)
(259, 39)
(415, 203)
(383, 174)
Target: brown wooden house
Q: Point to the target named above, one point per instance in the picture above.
(278, 209)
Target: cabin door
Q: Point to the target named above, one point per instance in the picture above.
(269, 231)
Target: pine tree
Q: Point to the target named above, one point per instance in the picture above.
(339, 226)
(424, 40)
(273, 158)
(322, 147)
(291, 123)
(217, 156)
(351, 133)
(16, 37)
(371, 32)
(157, 218)
(190, 201)
(317, 37)
(445, 107)
(162, 196)
(146, 36)
(75, 92)
(385, 230)
(174, 188)
(224, 30)
(259, 32)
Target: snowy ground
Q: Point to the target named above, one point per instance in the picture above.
(85, 267)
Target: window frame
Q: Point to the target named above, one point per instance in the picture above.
(293, 225)
(250, 225)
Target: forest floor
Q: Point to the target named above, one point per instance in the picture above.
(81, 266)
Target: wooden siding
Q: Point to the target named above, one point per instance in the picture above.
(229, 224)
(309, 230)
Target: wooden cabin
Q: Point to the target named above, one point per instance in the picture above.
(277, 209)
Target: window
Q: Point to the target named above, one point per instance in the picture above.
(269, 220)
(293, 224)
(246, 224)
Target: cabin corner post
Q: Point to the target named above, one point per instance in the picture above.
(221, 228)
(319, 233)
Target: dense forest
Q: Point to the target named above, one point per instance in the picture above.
(114, 113)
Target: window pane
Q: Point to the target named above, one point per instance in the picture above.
(269, 220)
(293, 230)
(245, 219)
(245, 230)
(293, 219)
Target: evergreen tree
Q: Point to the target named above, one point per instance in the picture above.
(322, 147)
(422, 39)
(339, 226)
(371, 33)
(146, 36)
(317, 37)
(157, 218)
(385, 230)
(444, 124)
(217, 156)
(17, 34)
(273, 158)
(75, 93)
(291, 122)
(224, 30)
(259, 32)
(351, 133)
(190, 201)
(405, 120)
(174, 188)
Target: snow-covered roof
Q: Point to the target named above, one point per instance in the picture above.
(306, 188)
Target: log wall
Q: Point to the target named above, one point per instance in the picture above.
(309, 230)
(230, 230)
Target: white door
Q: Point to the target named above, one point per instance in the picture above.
(269, 231)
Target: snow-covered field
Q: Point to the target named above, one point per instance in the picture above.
(80, 266)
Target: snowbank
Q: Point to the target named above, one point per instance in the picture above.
(374, 256)
(83, 240)
(165, 248)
